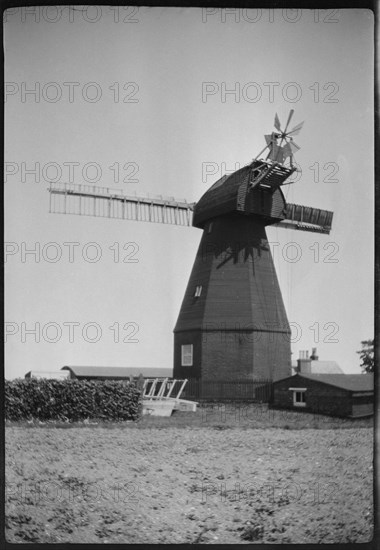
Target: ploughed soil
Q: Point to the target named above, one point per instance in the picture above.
(221, 475)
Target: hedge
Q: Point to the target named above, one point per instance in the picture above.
(72, 400)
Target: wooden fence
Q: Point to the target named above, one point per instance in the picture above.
(234, 390)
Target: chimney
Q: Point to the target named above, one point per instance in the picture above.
(314, 356)
(304, 363)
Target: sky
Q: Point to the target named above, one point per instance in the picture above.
(165, 101)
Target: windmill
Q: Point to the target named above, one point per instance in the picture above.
(232, 323)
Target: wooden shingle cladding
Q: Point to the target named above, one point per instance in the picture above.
(238, 324)
(336, 395)
(264, 202)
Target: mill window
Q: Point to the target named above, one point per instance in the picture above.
(198, 291)
(187, 355)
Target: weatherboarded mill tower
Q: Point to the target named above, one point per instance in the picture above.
(232, 324)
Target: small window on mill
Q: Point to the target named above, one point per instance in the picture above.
(187, 355)
(198, 291)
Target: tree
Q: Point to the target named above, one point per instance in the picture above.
(367, 355)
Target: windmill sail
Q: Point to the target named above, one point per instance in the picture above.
(307, 218)
(277, 123)
(90, 200)
(296, 130)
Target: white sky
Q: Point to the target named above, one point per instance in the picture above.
(173, 136)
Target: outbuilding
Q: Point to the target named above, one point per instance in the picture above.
(116, 373)
(344, 395)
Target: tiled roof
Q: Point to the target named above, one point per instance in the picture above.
(352, 382)
(325, 367)
(320, 367)
(113, 372)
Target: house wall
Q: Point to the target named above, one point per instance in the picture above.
(362, 404)
(320, 398)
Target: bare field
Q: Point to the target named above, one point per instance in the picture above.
(215, 476)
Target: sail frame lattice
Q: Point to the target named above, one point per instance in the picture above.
(91, 200)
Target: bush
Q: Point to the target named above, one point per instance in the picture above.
(72, 400)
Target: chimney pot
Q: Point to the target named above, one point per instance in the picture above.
(314, 355)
